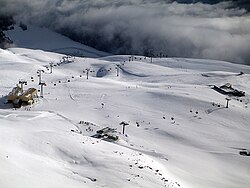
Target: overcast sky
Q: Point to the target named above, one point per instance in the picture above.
(203, 29)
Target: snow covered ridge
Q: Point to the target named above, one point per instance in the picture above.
(33, 37)
(178, 130)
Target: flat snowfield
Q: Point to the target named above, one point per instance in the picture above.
(179, 132)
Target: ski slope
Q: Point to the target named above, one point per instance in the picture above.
(179, 135)
(44, 39)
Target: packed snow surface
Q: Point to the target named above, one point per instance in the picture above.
(179, 132)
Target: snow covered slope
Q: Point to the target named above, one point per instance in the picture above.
(45, 39)
(179, 133)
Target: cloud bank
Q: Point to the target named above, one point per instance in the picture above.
(203, 29)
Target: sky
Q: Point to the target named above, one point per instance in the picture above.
(211, 29)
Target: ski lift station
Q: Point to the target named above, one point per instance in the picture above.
(18, 97)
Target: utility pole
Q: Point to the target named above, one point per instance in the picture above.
(151, 55)
(124, 124)
(117, 69)
(228, 99)
(51, 66)
(39, 72)
(87, 72)
(21, 82)
(41, 91)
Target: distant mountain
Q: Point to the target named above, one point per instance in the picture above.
(34, 37)
(6, 23)
(210, 29)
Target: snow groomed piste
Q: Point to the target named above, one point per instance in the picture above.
(173, 129)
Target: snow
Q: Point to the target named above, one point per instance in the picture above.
(179, 135)
(44, 39)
